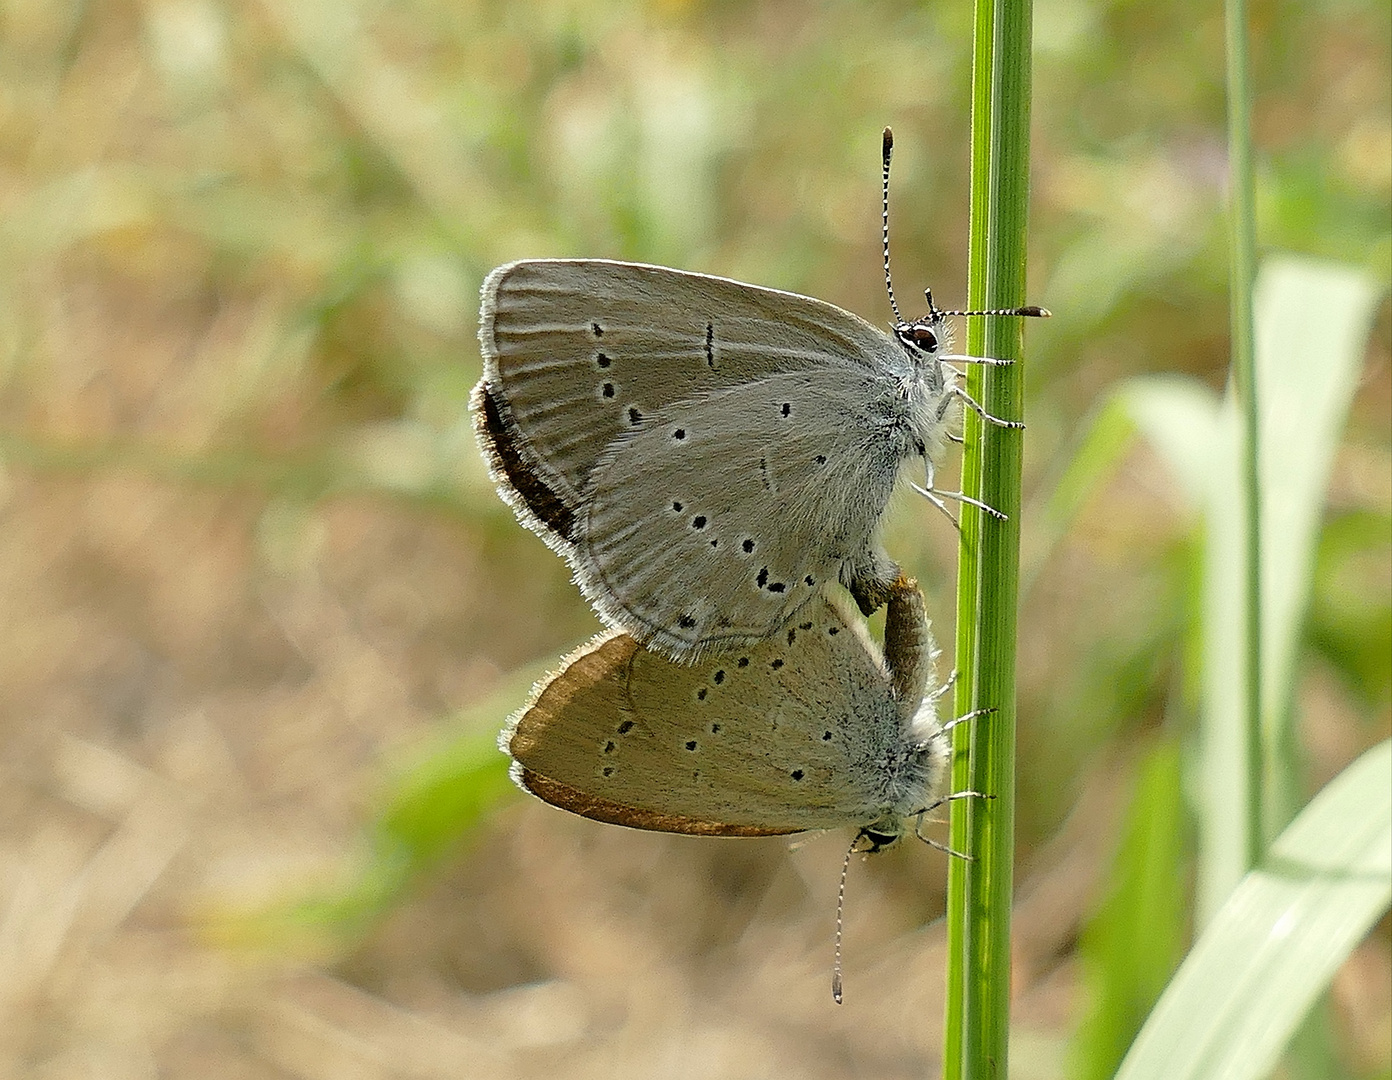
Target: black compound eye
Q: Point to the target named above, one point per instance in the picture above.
(924, 338)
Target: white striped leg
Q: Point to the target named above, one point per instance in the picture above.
(934, 496)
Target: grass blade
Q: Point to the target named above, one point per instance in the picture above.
(1278, 939)
(1242, 265)
(1134, 943)
(1307, 381)
(980, 891)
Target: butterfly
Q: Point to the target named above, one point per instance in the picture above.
(814, 728)
(706, 454)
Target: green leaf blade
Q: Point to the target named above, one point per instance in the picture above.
(1277, 941)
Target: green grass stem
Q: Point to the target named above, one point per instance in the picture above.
(980, 890)
(1242, 244)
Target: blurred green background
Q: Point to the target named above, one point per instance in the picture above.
(261, 612)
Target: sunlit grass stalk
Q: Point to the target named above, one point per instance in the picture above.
(979, 891)
(1242, 231)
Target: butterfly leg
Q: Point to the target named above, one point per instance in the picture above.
(966, 718)
(947, 685)
(936, 497)
(919, 815)
(943, 847)
(930, 494)
(961, 358)
(958, 391)
(918, 832)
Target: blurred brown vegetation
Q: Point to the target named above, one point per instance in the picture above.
(251, 566)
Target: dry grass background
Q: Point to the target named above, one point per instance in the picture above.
(250, 564)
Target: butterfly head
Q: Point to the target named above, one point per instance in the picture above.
(923, 338)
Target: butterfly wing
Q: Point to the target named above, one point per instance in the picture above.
(579, 352)
(714, 522)
(797, 732)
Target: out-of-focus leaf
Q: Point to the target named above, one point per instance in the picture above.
(435, 802)
(1351, 610)
(432, 805)
(1180, 418)
(1136, 940)
(1106, 440)
(1276, 942)
(1305, 381)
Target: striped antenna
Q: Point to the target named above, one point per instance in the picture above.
(1030, 310)
(887, 152)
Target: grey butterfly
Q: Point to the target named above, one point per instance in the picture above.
(706, 454)
(812, 729)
